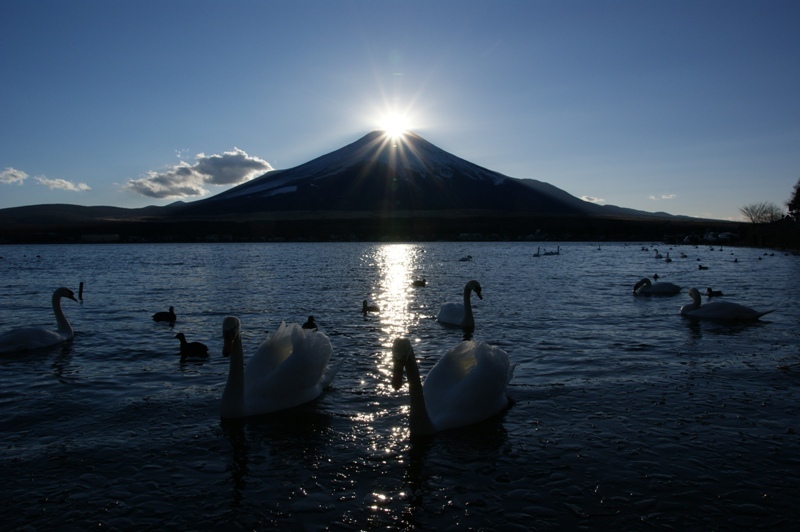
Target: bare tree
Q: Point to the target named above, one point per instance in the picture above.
(794, 203)
(762, 213)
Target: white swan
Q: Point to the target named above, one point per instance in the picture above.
(33, 338)
(646, 288)
(289, 368)
(718, 310)
(460, 314)
(467, 385)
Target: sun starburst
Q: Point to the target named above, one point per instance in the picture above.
(395, 125)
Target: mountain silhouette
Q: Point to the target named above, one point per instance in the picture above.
(376, 187)
(377, 173)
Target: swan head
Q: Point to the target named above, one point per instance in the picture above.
(65, 292)
(643, 282)
(694, 293)
(401, 351)
(475, 286)
(231, 329)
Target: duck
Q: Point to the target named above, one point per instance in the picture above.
(310, 323)
(701, 267)
(191, 349)
(168, 316)
(646, 288)
(288, 369)
(465, 258)
(466, 386)
(713, 293)
(34, 338)
(460, 314)
(366, 307)
(718, 310)
(419, 282)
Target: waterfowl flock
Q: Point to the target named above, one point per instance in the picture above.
(292, 366)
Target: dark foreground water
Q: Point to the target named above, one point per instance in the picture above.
(626, 415)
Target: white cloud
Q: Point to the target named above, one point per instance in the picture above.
(662, 197)
(184, 179)
(592, 199)
(62, 184)
(9, 176)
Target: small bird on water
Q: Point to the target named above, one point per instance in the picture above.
(191, 349)
(168, 317)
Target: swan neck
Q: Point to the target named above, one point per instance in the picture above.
(63, 325)
(419, 421)
(233, 396)
(469, 319)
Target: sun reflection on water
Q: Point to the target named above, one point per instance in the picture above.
(396, 263)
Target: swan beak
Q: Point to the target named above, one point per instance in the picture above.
(479, 295)
(72, 296)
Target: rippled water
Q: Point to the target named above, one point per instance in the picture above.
(625, 414)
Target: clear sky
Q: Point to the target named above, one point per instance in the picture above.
(689, 107)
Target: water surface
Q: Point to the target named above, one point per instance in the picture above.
(625, 414)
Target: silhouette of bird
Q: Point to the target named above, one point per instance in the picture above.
(191, 349)
(168, 317)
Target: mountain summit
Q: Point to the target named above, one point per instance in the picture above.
(379, 174)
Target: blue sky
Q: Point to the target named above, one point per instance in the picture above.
(689, 107)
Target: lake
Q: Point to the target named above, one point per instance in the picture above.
(625, 415)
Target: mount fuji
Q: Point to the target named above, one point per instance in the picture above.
(379, 174)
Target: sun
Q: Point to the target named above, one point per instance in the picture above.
(395, 125)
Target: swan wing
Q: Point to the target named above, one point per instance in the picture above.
(287, 370)
(451, 313)
(31, 339)
(467, 385)
(726, 310)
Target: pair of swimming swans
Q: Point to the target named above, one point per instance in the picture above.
(289, 368)
(35, 338)
(718, 310)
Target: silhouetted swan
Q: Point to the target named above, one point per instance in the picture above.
(460, 314)
(169, 317)
(467, 385)
(718, 310)
(289, 368)
(658, 255)
(365, 307)
(646, 288)
(191, 349)
(33, 338)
